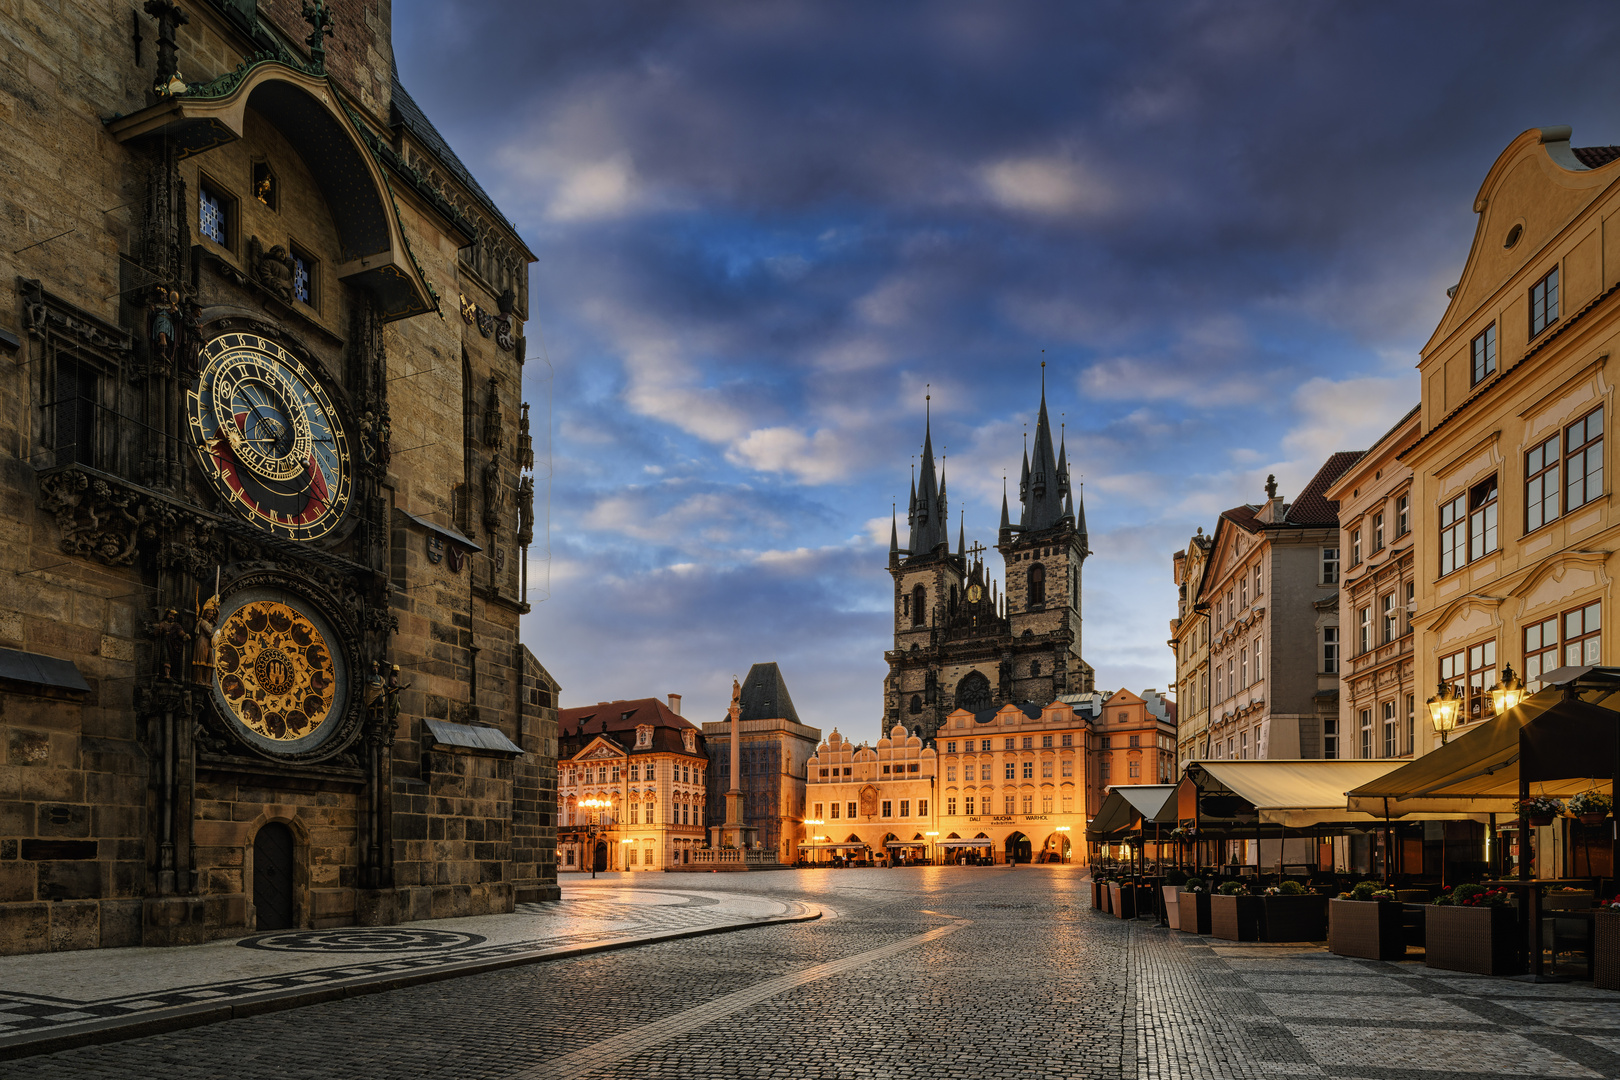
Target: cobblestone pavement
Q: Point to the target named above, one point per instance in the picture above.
(52, 995)
(928, 972)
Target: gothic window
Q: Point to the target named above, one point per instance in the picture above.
(1037, 585)
(303, 277)
(916, 704)
(1034, 667)
(973, 692)
(215, 213)
(918, 605)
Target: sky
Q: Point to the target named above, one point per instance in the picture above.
(765, 231)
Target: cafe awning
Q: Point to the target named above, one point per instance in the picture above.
(1129, 805)
(966, 843)
(906, 843)
(833, 847)
(1295, 794)
(1563, 745)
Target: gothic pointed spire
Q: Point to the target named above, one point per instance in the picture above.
(1063, 463)
(961, 535)
(1080, 522)
(928, 524)
(894, 530)
(1043, 500)
(1006, 522)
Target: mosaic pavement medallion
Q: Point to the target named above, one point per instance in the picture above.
(368, 940)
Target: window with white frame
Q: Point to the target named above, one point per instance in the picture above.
(1453, 534)
(1330, 650)
(1583, 635)
(1364, 630)
(1411, 723)
(1355, 547)
(1403, 515)
(1330, 737)
(1378, 531)
(1541, 486)
(1482, 353)
(1391, 621)
(1482, 519)
(1366, 733)
(1330, 566)
(1259, 666)
(1583, 460)
(1473, 669)
(950, 806)
(1387, 729)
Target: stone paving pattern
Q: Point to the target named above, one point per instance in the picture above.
(1027, 981)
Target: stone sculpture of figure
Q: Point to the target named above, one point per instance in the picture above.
(1271, 487)
(374, 686)
(202, 642)
(494, 496)
(736, 692)
(164, 332)
(171, 641)
(526, 510)
(273, 268)
(391, 693)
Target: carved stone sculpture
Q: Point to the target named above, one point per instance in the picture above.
(273, 269)
(171, 640)
(494, 496)
(526, 511)
(202, 642)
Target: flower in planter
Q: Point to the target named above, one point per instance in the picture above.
(1368, 890)
(1613, 905)
(1498, 897)
(1590, 802)
(1290, 888)
(1234, 888)
(1195, 884)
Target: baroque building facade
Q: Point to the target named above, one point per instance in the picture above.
(1189, 640)
(1516, 522)
(259, 639)
(776, 748)
(648, 762)
(1378, 700)
(1271, 588)
(961, 641)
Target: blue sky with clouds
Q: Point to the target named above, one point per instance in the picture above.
(763, 228)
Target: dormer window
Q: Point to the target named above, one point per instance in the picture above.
(644, 734)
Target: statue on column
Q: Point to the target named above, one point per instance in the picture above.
(202, 642)
(171, 642)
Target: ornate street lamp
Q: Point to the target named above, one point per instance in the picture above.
(595, 808)
(813, 839)
(1508, 693)
(1443, 710)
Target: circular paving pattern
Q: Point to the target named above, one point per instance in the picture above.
(362, 940)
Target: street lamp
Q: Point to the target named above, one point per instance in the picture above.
(1443, 709)
(594, 807)
(1508, 693)
(813, 839)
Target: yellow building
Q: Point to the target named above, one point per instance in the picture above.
(868, 802)
(1517, 528)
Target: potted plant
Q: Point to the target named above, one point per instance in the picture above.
(1542, 809)
(1291, 913)
(1365, 922)
(1606, 945)
(1171, 891)
(1193, 903)
(1235, 915)
(1122, 895)
(1591, 807)
(1472, 928)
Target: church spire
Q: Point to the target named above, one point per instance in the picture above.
(961, 535)
(928, 524)
(894, 530)
(1043, 499)
(1006, 522)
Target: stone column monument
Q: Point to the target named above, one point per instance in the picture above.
(734, 834)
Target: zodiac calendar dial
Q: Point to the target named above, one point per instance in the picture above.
(275, 673)
(269, 438)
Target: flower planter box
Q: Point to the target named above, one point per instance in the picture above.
(1293, 918)
(1606, 949)
(1123, 898)
(1482, 940)
(1194, 912)
(1172, 905)
(1236, 918)
(1369, 929)
(1107, 899)
(1097, 891)
(1567, 901)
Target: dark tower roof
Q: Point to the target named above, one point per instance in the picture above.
(928, 524)
(765, 695)
(1043, 494)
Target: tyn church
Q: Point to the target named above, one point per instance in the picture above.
(960, 640)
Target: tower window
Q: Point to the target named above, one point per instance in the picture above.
(918, 604)
(916, 704)
(1034, 667)
(1037, 585)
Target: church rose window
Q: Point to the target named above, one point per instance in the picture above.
(973, 692)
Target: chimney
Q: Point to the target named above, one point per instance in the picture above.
(675, 704)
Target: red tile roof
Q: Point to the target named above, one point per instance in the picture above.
(618, 720)
(1594, 156)
(1312, 508)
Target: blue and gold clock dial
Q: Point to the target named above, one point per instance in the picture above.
(268, 437)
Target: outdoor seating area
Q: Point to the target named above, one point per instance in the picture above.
(1493, 854)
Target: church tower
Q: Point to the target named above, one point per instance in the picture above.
(960, 640)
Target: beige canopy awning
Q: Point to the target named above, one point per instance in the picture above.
(1478, 770)
(833, 847)
(1296, 794)
(1130, 804)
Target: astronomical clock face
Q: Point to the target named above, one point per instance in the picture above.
(269, 438)
(277, 676)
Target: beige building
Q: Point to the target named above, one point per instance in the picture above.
(1189, 640)
(1378, 685)
(1271, 588)
(1510, 480)
(867, 798)
(648, 762)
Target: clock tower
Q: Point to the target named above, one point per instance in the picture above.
(961, 640)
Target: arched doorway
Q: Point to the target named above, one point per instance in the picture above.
(1057, 848)
(600, 862)
(1018, 848)
(273, 877)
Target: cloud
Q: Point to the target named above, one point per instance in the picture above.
(820, 458)
(1347, 414)
(1050, 186)
(598, 190)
